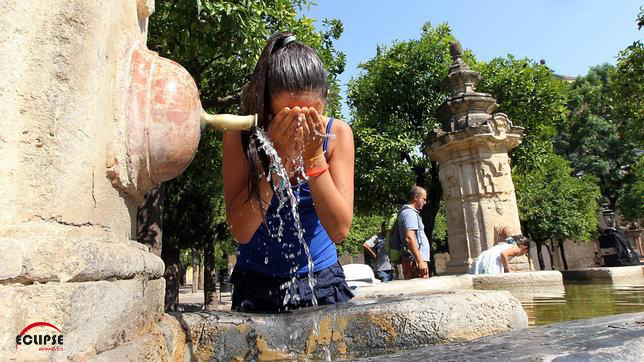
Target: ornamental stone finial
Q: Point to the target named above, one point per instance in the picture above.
(455, 50)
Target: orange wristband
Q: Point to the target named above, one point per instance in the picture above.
(316, 157)
(317, 171)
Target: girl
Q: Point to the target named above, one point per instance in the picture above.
(287, 91)
(495, 260)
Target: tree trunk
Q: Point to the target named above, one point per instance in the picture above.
(542, 265)
(149, 220)
(210, 297)
(195, 271)
(563, 255)
(429, 212)
(201, 276)
(552, 259)
(170, 254)
(182, 276)
(224, 276)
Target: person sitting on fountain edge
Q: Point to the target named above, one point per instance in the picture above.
(288, 90)
(495, 260)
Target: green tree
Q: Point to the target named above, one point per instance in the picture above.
(593, 139)
(553, 205)
(632, 199)
(219, 42)
(362, 228)
(627, 86)
(393, 103)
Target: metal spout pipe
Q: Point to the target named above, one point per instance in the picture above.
(227, 122)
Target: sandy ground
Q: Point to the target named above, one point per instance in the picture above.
(194, 301)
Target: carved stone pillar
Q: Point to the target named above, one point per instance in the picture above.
(69, 266)
(472, 151)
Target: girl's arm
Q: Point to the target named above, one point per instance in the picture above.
(332, 190)
(242, 214)
(506, 254)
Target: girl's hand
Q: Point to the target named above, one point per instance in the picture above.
(282, 131)
(314, 134)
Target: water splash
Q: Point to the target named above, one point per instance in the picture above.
(301, 118)
(284, 193)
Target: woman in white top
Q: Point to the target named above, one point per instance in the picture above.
(496, 259)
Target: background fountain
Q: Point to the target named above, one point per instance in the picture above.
(472, 150)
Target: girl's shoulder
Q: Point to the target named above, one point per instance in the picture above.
(339, 126)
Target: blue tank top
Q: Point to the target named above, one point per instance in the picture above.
(265, 254)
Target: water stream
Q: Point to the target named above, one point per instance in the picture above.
(284, 193)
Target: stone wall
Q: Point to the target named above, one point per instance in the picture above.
(66, 232)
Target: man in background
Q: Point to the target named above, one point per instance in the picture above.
(415, 261)
(375, 247)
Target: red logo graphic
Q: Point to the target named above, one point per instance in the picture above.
(41, 339)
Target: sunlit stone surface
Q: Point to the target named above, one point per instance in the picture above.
(612, 338)
(367, 327)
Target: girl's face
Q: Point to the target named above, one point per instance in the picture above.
(292, 100)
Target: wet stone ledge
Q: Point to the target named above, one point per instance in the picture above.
(611, 338)
(633, 273)
(357, 329)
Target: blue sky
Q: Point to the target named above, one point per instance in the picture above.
(571, 35)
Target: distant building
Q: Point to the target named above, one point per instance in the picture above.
(565, 78)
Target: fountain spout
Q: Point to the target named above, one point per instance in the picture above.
(227, 122)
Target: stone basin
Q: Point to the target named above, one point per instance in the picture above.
(551, 280)
(366, 327)
(610, 338)
(633, 273)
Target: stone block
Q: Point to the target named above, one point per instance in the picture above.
(414, 286)
(354, 329)
(44, 252)
(517, 280)
(10, 258)
(92, 316)
(608, 274)
(165, 342)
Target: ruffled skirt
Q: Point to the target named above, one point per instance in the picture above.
(258, 292)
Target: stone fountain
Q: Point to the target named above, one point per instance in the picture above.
(92, 120)
(472, 150)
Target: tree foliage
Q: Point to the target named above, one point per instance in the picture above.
(604, 133)
(532, 98)
(555, 205)
(393, 103)
(362, 228)
(593, 139)
(632, 199)
(627, 85)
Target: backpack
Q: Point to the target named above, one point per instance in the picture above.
(393, 244)
(618, 248)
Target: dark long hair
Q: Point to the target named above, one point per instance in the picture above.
(284, 66)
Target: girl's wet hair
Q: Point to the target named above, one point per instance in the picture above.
(285, 66)
(521, 240)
